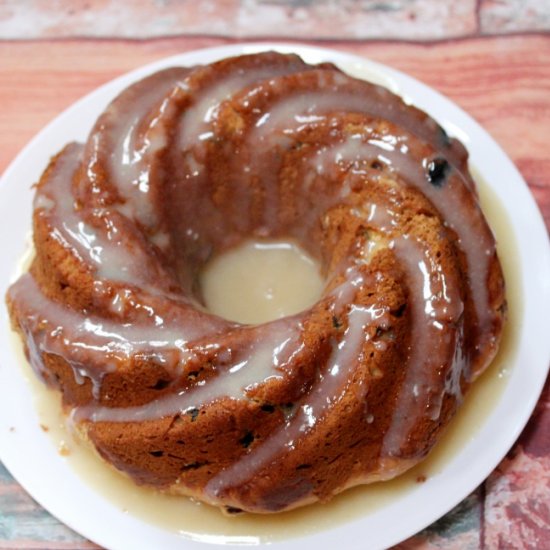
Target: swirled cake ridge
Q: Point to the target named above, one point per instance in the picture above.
(190, 162)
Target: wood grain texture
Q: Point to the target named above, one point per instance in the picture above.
(501, 16)
(423, 20)
(25, 525)
(503, 82)
(417, 19)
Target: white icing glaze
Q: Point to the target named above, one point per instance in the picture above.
(434, 305)
(381, 217)
(279, 344)
(41, 201)
(130, 148)
(294, 112)
(257, 282)
(91, 344)
(99, 236)
(325, 393)
(351, 151)
(107, 249)
(114, 263)
(454, 201)
(462, 214)
(196, 121)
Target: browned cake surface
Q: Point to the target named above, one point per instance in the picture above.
(260, 146)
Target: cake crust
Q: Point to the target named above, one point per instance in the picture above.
(188, 163)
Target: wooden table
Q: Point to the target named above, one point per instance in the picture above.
(491, 58)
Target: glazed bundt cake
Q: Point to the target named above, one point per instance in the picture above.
(187, 164)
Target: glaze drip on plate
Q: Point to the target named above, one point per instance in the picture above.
(191, 162)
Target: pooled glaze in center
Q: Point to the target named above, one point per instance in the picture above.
(258, 282)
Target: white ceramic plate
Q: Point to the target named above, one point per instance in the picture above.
(30, 456)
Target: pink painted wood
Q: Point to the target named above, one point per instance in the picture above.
(422, 20)
(504, 82)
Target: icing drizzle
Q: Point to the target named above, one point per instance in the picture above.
(100, 203)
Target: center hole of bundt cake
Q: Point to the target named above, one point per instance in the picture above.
(259, 281)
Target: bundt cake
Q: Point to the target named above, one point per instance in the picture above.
(187, 164)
